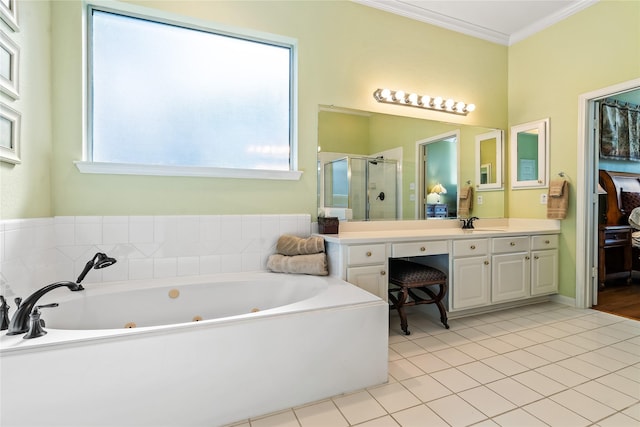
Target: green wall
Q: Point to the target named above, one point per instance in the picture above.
(593, 49)
(340, 67)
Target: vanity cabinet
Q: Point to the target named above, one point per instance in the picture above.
(510, 268)
(362, 265)
(544, 264)
(470, 286)
(484, 269)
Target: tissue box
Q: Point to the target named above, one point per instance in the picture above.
(328, 225)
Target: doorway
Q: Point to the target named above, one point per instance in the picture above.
(587, 237)
(437, 176)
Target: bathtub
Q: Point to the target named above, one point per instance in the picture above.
(198, 351)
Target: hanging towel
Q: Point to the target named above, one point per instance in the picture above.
(315, 264)
(634, 219)
(558, 200)
(465, 202)
(294, 245)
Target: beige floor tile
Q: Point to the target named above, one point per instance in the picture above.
(431, 343)
(622, 384)
(583, 368)
(429, 363)
(527, 359)
(394, 397)
(504, 364)
(386, 421)
(514, 391)
(453, 356)
(476, 351)
(359, 407)
(480, 372)
(633, 411)
(618, 420)
(455, 411)
(282, 419)
(455, 380)
(426, 388)
(321, 414)
(548, 353)
(587, 407)
(407, 348)
(562, 375)
(419, 416)
(539, 383)
(403, 369)
(518, 418)
(487, 401)
(605, 395)
(555, 414)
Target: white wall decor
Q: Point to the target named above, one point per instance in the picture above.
(9, 13)
(9, 62)
(9, 134)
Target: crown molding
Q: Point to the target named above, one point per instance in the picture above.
(419, 14)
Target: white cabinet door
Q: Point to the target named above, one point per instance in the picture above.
(371, 278)
(510, 277)
(544, 272)
(470, 282)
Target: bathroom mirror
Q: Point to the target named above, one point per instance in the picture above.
(529, 147)
(489, 147)
(349, 133)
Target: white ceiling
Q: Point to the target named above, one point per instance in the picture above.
(499, 21)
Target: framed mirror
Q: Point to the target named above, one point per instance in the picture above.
(388, 143)
(488, 160)
(529, 148)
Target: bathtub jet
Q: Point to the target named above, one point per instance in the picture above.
(20, 321)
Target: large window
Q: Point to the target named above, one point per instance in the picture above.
(171, 94)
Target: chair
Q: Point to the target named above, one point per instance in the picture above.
(410, 279)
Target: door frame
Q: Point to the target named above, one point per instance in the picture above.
(586, 194)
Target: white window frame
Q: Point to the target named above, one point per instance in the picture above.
(86, 165)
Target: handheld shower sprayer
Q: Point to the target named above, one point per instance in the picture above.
(99, 260)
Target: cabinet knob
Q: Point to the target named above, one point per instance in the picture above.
(422, 249)
(527, 257)
(512, 243)
(472, 247)
(536, 257)
(368, 253)
(383, 273)
(486, 263)
(547, 242)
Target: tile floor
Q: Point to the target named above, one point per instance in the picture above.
(540, 365)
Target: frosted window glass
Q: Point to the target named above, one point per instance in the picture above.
(169, 95)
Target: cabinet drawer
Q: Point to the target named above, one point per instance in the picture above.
(366, 254)
(470, 247)
(510, 244)
(419, 248)
(548, 241)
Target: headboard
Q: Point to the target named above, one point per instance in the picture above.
(614, 183)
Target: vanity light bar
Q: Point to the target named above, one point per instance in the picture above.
(438, 103)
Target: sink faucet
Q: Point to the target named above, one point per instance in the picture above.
(20, 321)
(467, 224)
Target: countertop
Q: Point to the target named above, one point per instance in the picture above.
(407, 231)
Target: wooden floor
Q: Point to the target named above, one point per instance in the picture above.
(621, 298)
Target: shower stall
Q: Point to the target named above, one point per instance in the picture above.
(366, 186)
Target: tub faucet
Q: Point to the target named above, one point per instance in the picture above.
(4, 313)
(467, 224)
(20, 321)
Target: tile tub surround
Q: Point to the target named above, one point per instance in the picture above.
(36, 252)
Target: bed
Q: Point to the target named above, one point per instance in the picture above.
(623, 196)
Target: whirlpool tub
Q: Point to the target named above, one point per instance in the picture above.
(207, 350)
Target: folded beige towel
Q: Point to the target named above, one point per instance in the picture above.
(315, 264)
(294, 245)
(558, 200)
(465, 202)
(556, 188)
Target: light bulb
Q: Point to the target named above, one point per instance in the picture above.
(437, 102)
(424, 100)
(399, 96)
(413, 99)
(460, 107)
(449, 103)
(386, 94)
(471, 107)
